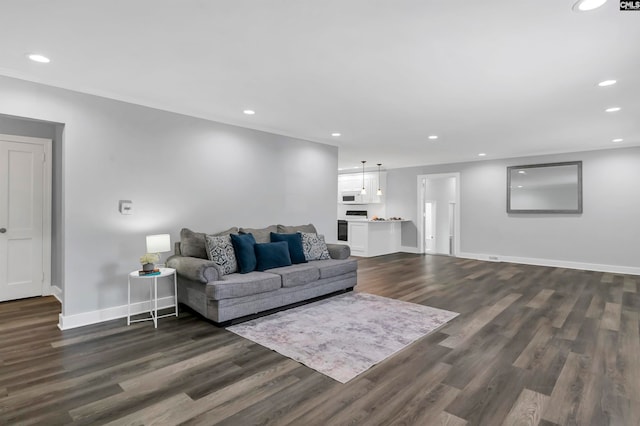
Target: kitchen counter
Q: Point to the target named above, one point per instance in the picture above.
(375, 221)
(368, 237)
(387, 220)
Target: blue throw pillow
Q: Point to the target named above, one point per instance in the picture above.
(295, 246)
(245, 254)
(272, 255)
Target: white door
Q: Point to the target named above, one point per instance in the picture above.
(452, 228)
(429, 226)
(21, 218)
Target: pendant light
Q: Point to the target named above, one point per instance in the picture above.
(379, 192)
(364, 190)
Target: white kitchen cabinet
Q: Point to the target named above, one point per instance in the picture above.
(352, 182)
(374, 238)
(349, 183)
(358, 238)
(372, 184)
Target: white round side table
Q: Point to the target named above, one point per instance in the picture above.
(152, 280)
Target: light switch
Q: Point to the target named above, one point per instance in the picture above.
(126, 207)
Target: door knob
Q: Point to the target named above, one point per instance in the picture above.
(3, 230)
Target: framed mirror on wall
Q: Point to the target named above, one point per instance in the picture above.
(545, 188)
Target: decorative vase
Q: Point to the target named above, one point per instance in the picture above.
(147, 267)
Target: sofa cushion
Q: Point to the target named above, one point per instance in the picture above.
(332, 268)
(245, 253)
(272, 255)
(294, 242)
(220, 250)
(262, 235)
(284, 229)
(239, 285)
(192, 244)
(297, 275)
(314, 247)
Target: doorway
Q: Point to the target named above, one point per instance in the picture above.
(439, 210)
(25, 217)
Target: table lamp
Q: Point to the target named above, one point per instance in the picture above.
(160, 243)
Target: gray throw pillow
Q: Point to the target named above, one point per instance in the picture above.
(314, 247)
(284, 229)
(261, 235)
(220, 251)
(192, 244)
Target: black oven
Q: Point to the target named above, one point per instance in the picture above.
(343, 230)
(343, 225)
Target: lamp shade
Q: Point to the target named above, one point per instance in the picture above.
(158, 243)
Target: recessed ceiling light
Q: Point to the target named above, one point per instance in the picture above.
(433, 137)
(519, 186)
(586, 5)
(617, 140)
(249, 111)
(35, 57)
(482, 154)
(606, 83)
(336, 134)
(613, 109)
(522, 172)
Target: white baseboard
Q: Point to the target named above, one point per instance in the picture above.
(407, 249)
(56, 292)
(86, 318)
(616, 269)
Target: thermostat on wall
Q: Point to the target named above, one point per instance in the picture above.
(126, 207)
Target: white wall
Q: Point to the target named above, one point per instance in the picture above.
(607, 233)
(179, 172)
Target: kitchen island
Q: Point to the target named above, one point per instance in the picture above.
(369, 238)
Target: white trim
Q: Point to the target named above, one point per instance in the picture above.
(615, 269)
(56, 292)
(46, 216)
(407, 249)
(434, 221)
(420, 215)
(86, 318)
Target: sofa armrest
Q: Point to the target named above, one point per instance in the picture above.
(339, 251)
(194, 268)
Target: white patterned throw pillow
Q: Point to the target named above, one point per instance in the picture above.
(220, 251)
(314, 247)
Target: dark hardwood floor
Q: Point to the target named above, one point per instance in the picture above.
(532, 345)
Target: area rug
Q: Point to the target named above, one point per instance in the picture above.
(344, 335)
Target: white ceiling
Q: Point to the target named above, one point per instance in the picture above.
(509, 78)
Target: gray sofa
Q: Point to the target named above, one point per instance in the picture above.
(224, 299)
